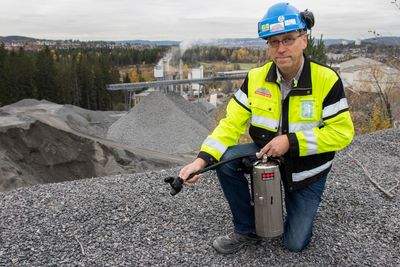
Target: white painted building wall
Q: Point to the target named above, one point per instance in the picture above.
(197, 73)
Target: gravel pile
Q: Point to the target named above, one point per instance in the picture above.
(131, 220)
(28, 102)
(94, 123)
(166, 123)
(193, 110)
(31, 105)
(205, 106)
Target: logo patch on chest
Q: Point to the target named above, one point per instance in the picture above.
(307, 109)
(264, 92)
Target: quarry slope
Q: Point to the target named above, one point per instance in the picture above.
(43, 142)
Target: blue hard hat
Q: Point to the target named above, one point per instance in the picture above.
(281, 18)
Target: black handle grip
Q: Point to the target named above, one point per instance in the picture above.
(177, 182)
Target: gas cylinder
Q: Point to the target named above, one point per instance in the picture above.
(267, 197)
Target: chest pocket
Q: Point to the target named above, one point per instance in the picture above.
(307, 108)
(263, 107)
(265, 113)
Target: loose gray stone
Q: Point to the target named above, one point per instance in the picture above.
(131, 220)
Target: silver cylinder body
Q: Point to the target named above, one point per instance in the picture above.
(267, 195)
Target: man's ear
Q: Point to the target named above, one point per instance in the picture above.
(304, 41)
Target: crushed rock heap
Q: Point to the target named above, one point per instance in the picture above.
(94, 123)
(131, 220)
(163, 122)
(43, 142)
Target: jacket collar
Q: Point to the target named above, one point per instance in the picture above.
(305, 76)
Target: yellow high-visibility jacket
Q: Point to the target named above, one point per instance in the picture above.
(315, 117)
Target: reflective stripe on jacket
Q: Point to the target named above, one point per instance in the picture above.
(315, 118)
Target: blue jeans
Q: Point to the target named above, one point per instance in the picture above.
(301, 205)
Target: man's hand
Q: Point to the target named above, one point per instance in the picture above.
(278, 146)
(196, 165)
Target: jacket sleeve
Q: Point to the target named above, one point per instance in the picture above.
(336, 129)
(229, 129)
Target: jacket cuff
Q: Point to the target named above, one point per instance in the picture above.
(293, 145)
(210, 160)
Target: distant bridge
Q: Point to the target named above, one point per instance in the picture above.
(220, 76)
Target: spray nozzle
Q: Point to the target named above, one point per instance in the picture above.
(176, 184)
(264, 157)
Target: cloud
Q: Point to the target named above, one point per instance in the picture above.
(183, 20)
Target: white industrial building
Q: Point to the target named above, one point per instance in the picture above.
(197, 73)
(365, 74)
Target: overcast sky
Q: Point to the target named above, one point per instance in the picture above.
(186, 19)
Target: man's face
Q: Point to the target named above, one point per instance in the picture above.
(286, 50)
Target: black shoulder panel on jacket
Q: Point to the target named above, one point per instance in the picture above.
(335, 94)
(244, 86)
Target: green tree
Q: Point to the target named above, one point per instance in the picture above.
(316, 50)
(126, 78)
(45, 77)
(18, 73)
(85, 82)
(75, 76)
(66, 80)
(3, 57)
(25, 76)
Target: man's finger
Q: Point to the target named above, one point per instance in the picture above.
(264, 150)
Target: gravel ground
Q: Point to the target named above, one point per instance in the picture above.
(131, 220)
(166, 123)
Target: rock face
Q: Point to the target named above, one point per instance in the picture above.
(38, 145)
(165, 123)
(52, 155)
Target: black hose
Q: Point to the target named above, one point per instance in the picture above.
(177, 182)
(216, 165)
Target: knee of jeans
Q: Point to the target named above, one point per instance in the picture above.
(228, 168)
(295, 245)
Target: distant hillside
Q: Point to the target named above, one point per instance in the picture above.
(148, 42)
(336, 41)
(235, 42)
(16, 38)
(254, 43)
(257, 43)
(380, 40)
(385, 40)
